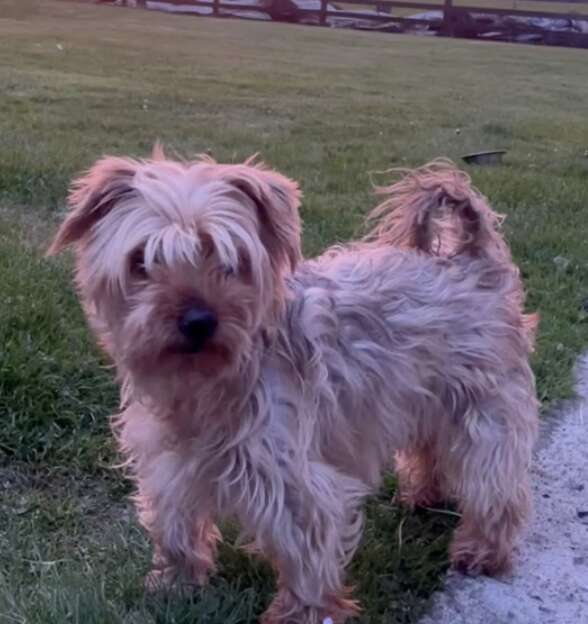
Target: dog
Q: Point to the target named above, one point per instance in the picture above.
(260, 386)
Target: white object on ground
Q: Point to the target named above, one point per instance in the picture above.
(550, 580)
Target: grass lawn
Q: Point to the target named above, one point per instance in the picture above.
(323, 106)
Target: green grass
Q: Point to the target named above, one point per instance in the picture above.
(325, 107)
(90, 570)
(52, 383)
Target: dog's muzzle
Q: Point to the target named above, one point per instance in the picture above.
(197, 325)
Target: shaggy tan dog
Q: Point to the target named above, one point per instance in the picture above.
(273, 390)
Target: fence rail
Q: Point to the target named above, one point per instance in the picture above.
(484, 21)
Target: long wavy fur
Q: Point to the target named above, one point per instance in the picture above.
(411, 344)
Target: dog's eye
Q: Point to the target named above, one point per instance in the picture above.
(137, 264)
(224, 272)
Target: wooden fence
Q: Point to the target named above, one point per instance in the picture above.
(454, 20)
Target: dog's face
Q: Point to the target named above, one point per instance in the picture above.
(180, 266)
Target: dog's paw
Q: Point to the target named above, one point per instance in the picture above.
(286, 609)
(160, 580)
(471, 561)
(170, 581)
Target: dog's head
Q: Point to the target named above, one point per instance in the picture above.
(181, 265)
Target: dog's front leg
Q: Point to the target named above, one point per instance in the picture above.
(184, 539)
(173, 503)
(309, 532)
(191, 561)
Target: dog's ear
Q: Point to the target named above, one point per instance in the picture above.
(277, 199)
(92, 196)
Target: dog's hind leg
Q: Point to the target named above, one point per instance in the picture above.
(419, 477)
(487, 467)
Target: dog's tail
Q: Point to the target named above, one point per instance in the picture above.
(436, 209)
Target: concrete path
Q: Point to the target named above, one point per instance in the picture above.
(550, 581)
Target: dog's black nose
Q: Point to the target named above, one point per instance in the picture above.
(197, 325)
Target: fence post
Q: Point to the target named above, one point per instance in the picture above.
(215, 7)
(448, 18)
(323, 13)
